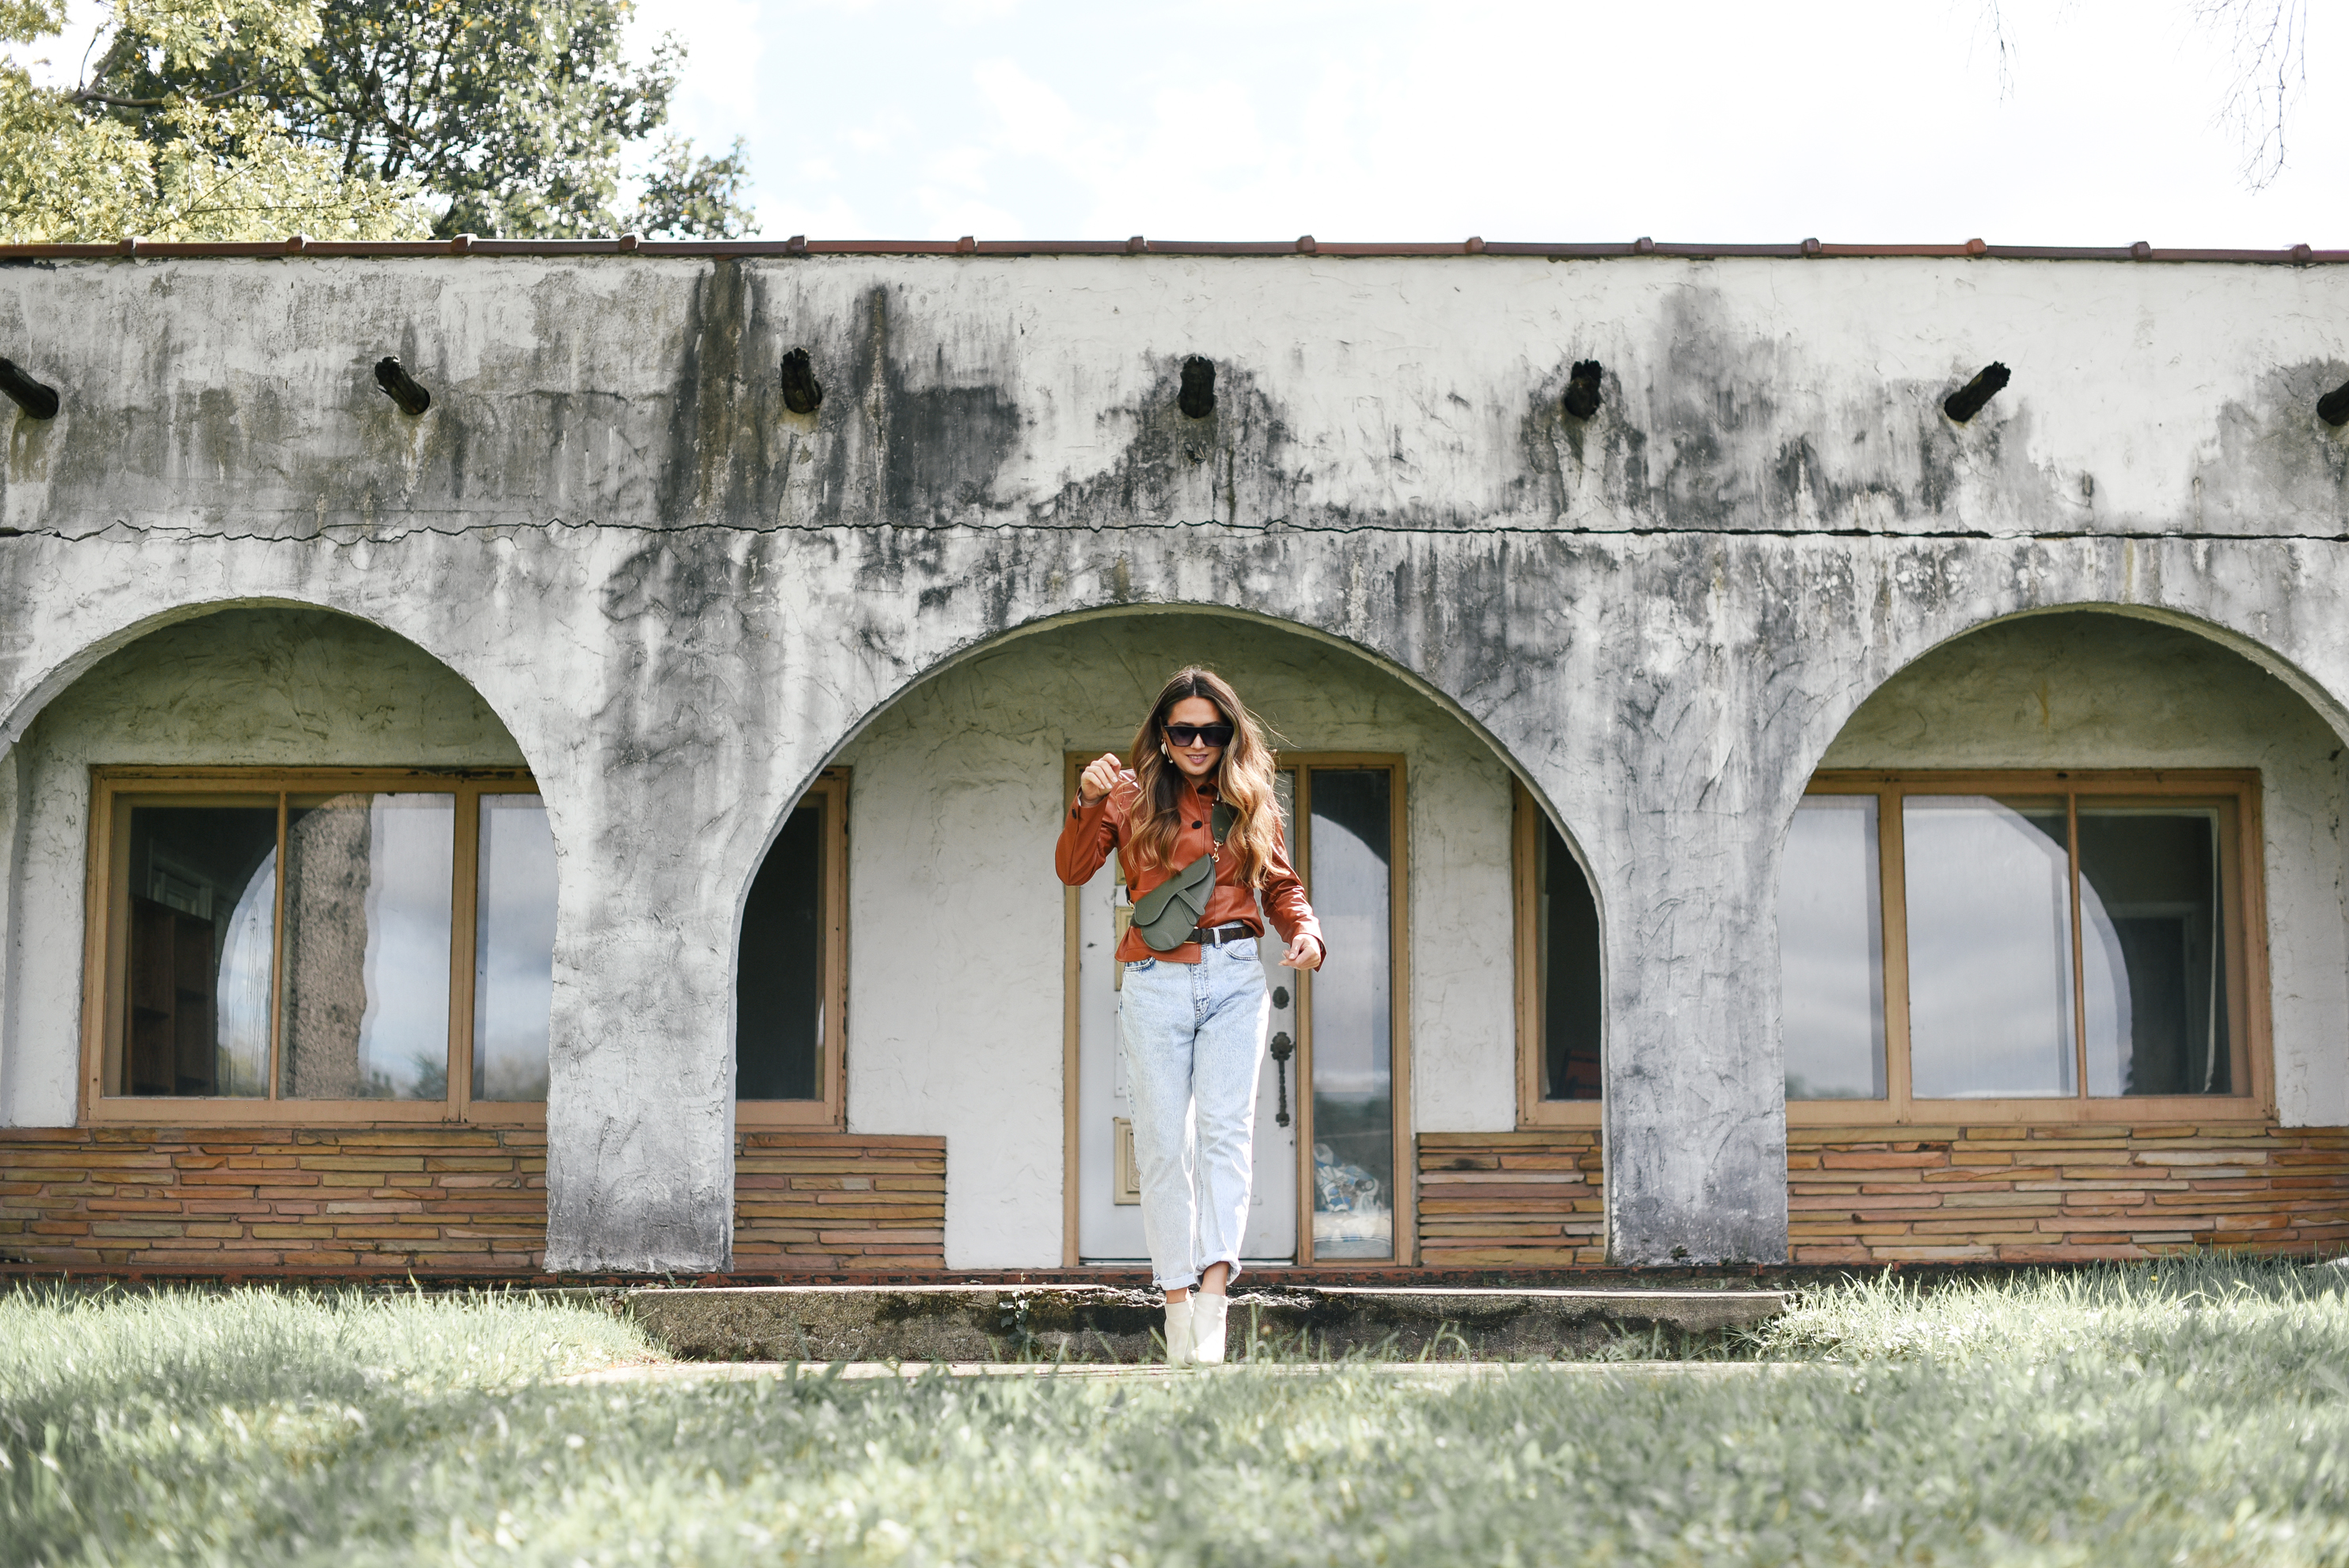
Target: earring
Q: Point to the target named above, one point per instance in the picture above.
(1165, 753)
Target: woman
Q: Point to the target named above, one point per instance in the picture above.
(1192, 1017)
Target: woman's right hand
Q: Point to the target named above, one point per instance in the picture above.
(1100, 777)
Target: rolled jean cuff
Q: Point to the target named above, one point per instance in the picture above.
(1190, 1284)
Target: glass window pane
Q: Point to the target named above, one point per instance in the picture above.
(779, 973)
(368, 886)
(203, 905)
(513, 951)
(2152, 950)
(1831, 951)
(1353, 1068)
(1989, 948)
(1566, 940)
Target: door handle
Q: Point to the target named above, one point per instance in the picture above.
(1283, 1047)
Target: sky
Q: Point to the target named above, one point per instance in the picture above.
(1212, 119)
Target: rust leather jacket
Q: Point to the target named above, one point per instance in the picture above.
(1089, 833)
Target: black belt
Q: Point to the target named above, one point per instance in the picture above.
(1218, 936)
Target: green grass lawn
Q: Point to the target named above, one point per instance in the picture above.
(2194, 1413)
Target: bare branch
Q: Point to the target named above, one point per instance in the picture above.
(2266, 44)
(1994, 21)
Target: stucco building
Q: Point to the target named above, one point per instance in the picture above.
(602, 820)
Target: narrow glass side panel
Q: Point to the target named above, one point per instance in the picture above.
(779, 969)
(1989, 948)
(1566, 935)
(2153, 950)
(1351, 886)
(369, 903)
(1831, 951)
(514, 950)
(204, 906)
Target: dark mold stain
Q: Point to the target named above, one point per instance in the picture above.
(2276, 461)
(723, 463)
(1229, 466)
(946, 445)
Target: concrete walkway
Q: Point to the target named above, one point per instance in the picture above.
(995, 1323)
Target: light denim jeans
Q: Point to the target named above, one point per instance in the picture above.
(1193, 1034)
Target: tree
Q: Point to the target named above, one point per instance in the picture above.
(182, 164)
(513, 117)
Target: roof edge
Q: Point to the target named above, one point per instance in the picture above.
(799, 246)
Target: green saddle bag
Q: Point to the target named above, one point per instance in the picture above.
(1170, 912)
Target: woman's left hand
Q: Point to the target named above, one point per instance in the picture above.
(1304, 952)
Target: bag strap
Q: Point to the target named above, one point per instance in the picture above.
(1223, 818)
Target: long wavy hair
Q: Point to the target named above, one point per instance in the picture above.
(1243, 781)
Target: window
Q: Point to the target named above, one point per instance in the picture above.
(327, 945)
(2068, 946)
(1560, 1007)
(791, 969)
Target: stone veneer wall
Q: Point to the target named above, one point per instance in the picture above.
(431, 1200)
(837, 1201)
(441, 1199)
(1922, 1194)
(2062, 1194)
(1517, 1200)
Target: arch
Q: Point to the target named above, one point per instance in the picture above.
(355, 695)
(2332, 708)
(2226, 705)
(94, 645)
(980, 647)
(897, 751)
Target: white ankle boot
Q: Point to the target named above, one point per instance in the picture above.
(1178, 1331)
(1207, 1328)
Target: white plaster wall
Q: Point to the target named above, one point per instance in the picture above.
(2086, 690)
(246, 687)
(955, 976)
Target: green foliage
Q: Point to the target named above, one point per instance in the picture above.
(352, 118)
(182, 164)
(515, 114)
(2192, 1414)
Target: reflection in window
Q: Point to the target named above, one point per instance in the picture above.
(1566, 943)
(2075, 945)
(275, 946)
(1350, 844)
(780, 970)
(1989, 948)
(2151, 947)
(1831, 951)
(513, 951)
(368, 883)
(203, 900)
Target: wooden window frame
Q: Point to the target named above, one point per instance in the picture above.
(2243, 910)
(830, 1109)
(106, 948)
(1405, 1195)
(1534, 1110)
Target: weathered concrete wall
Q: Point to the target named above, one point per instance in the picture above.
(2088, 691)
(234, 394)
(1642, 614)
(268, 688)
(956, 955)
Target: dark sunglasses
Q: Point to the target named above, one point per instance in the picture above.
(1200, 734)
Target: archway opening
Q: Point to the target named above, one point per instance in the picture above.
(2071, 875)
(976, 995)
(285, 866)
